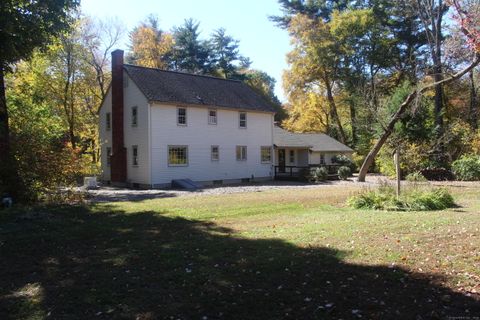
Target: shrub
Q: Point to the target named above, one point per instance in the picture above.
(467, 168)
(344, 161)
(412, 159)
(437, 199)
(437, 174)
(344, 172)
(320, 174)
(416, 177)
(305, 175)
(412, 200)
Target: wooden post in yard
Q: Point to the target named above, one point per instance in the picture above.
(396, 158)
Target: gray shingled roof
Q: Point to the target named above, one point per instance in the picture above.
(176, 87)
(313, 141)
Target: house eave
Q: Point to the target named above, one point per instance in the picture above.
(206, 106)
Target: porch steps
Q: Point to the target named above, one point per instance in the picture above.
(186, 184)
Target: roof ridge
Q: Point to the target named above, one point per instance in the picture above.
(182, 73)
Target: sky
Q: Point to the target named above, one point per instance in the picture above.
(246, 20)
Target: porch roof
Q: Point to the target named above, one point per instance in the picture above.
(312, 141)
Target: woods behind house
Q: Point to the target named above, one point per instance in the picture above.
(351, 66)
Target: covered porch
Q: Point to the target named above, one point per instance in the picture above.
(293, 163)
(296, 155)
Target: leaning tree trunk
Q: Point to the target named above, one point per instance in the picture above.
(388, 131)
(400, 112)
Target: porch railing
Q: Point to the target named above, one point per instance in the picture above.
(296, 172)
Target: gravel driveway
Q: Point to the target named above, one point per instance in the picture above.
(109, 194)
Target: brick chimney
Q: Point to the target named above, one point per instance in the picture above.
(118, 164)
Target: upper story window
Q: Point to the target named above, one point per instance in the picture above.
(177, 156)
(242, 117)
(212, 116)
(134, 116)
(182, 116)
(108, 120)
(292, 156)
(134, 155)
(109, 156)
(215, 153)
(241, 152)
(266, 154)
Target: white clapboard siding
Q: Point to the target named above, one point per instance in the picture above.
(136, 135)
(105, 135)
(199, 136)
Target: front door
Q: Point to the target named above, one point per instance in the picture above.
(281, 160)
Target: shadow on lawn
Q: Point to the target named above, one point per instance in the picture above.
(74, 264)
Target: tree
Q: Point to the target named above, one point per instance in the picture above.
(190, 54)
(264, 85)
(150, 46)
(100, 37)
(225, 56)
(431, 13)
(472, 34)
(316, 58)
(468, 15)
(24, 26)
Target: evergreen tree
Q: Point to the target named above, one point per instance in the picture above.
(225, 54)
(190, 54)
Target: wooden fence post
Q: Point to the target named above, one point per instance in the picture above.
(397, 169)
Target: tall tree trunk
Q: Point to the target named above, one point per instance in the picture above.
(438, 76)
(9, 179)
(473, 112)
(4, 130)
(71, 134)
(431, 12)
(400, 112)
(353, 120)
(333, 110)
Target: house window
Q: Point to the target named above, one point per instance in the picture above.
(241, 153)
(108, 120)
(109, 156)
(242, 116)
(182, 116)
(177, 155)
(134, 155)
(322, 159)
(292, 156)
(266, 154)
(215, 153)
(212, 116)
(134, 116)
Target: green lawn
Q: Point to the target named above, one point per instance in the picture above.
(290, 254)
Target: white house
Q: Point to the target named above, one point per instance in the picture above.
(157, 126)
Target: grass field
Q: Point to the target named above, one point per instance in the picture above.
(289, 254)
